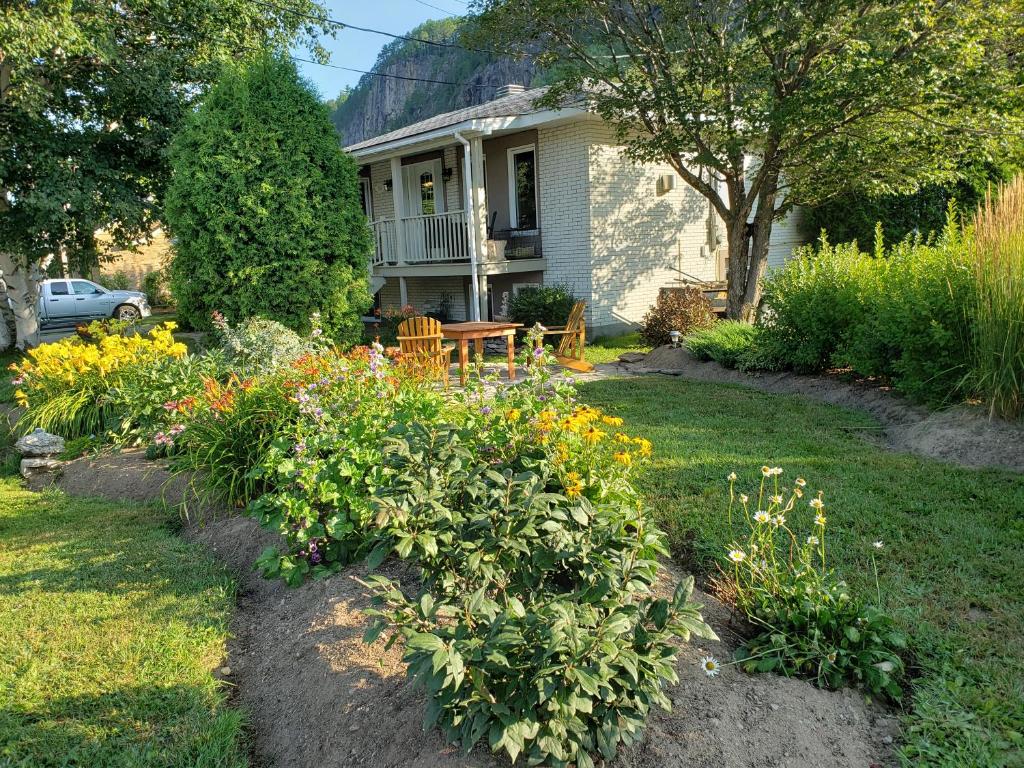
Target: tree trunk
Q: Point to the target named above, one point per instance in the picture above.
(748, 254)
(20, 287)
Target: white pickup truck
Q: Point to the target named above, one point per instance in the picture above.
(70, 302)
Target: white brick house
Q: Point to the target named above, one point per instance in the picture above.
(550, 197)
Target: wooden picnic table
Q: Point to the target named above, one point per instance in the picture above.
(463, 333)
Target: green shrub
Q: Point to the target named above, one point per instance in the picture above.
(116, 281)
(811, 302)
(259, 345)
(548, 305)
(915, 329)
(155, 286)
(535, 625)
(683, 310)
(997, 360)
(808, 623)
(265, 207)
(725, 342)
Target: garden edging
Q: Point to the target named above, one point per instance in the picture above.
(961, 435)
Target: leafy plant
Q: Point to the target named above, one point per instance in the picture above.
(812, 301)
(725, 342)
(259, 345)
(548, 305)
(683, 310)
(265, 207)
(116, 281)
(808, 622)
(69, 386)
(997, 362)
(155, 284)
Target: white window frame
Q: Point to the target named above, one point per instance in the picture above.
(410, 180)
(513, 212)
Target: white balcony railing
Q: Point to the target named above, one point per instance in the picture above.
(428, 239)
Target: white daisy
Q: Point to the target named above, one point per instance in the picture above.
(744, 498)
(737, 555)
(779, 520)
(820, 520)
(710, 666)
(817, 504)
(761, 516)
(777, 499)
(813, 541)
(732, 477)
(776, 470)
(800, 482)
(878, 545)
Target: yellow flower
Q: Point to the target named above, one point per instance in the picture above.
(21, 398)
(593, 435)
(513, 415)
(623, 457)
(623, 438)
(645, 445)
(612, 421)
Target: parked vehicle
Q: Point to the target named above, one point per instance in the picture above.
(70, 302)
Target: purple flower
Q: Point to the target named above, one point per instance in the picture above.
(486, 410)
(538, 352)
(300, 446)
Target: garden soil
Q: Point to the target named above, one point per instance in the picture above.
(960, 435)
(316, 695)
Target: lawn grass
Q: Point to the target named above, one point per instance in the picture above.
(608, 349)
(110, 625)
(950, 571)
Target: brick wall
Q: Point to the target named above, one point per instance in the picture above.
(136, 264)
(563, 170)
(425, 294)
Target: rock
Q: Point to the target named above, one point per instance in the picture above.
(225, 671)
(632, 357)
(39, 443)
(34, 467)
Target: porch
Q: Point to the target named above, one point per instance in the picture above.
(464, 207)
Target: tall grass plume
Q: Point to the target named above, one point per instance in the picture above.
(998, 364)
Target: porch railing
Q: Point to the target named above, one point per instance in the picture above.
(428, 239)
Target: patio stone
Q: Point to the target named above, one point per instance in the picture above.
(39, 443)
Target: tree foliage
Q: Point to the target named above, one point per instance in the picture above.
(265, 207)
(764, 104)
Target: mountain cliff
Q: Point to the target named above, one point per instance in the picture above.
(380, 104)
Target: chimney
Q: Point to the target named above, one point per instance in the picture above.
(509, 89)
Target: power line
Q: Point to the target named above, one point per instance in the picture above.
(437, 8)
(346, 25)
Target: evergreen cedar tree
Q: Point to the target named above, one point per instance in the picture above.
(265, 207)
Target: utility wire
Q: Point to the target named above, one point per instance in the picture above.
(345, 25)
(384, 74)
(437, 8)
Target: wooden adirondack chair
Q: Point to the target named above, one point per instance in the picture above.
(574, 336)
(419, 339)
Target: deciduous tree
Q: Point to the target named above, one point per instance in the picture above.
(760, 105)
(90, 93)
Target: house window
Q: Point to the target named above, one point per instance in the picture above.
(522, 187)
(427, 193)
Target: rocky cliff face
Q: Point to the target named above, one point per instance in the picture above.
(380, 104)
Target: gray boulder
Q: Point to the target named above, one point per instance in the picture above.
(34, 467)
(39, 443)
(632, 357)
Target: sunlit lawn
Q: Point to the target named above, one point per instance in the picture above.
(110, 626)
(950, 569)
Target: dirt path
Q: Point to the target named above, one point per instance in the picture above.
(961, 435)
(317, 696)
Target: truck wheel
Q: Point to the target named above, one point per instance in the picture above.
(127, 313)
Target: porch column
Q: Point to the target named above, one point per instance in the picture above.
(403, 292)
(397, 194)
(479, 219)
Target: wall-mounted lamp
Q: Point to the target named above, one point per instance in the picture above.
(388, 185)
(666, 183)
(446, 174)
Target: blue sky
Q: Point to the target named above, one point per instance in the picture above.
(350, 48)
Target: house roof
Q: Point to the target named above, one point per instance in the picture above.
(513, 105)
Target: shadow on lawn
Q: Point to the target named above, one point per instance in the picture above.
(128, 726)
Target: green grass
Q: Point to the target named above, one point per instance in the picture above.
(950, 571)
(110, 625)
(607, 350)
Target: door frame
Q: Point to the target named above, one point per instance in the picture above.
(410, 182)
